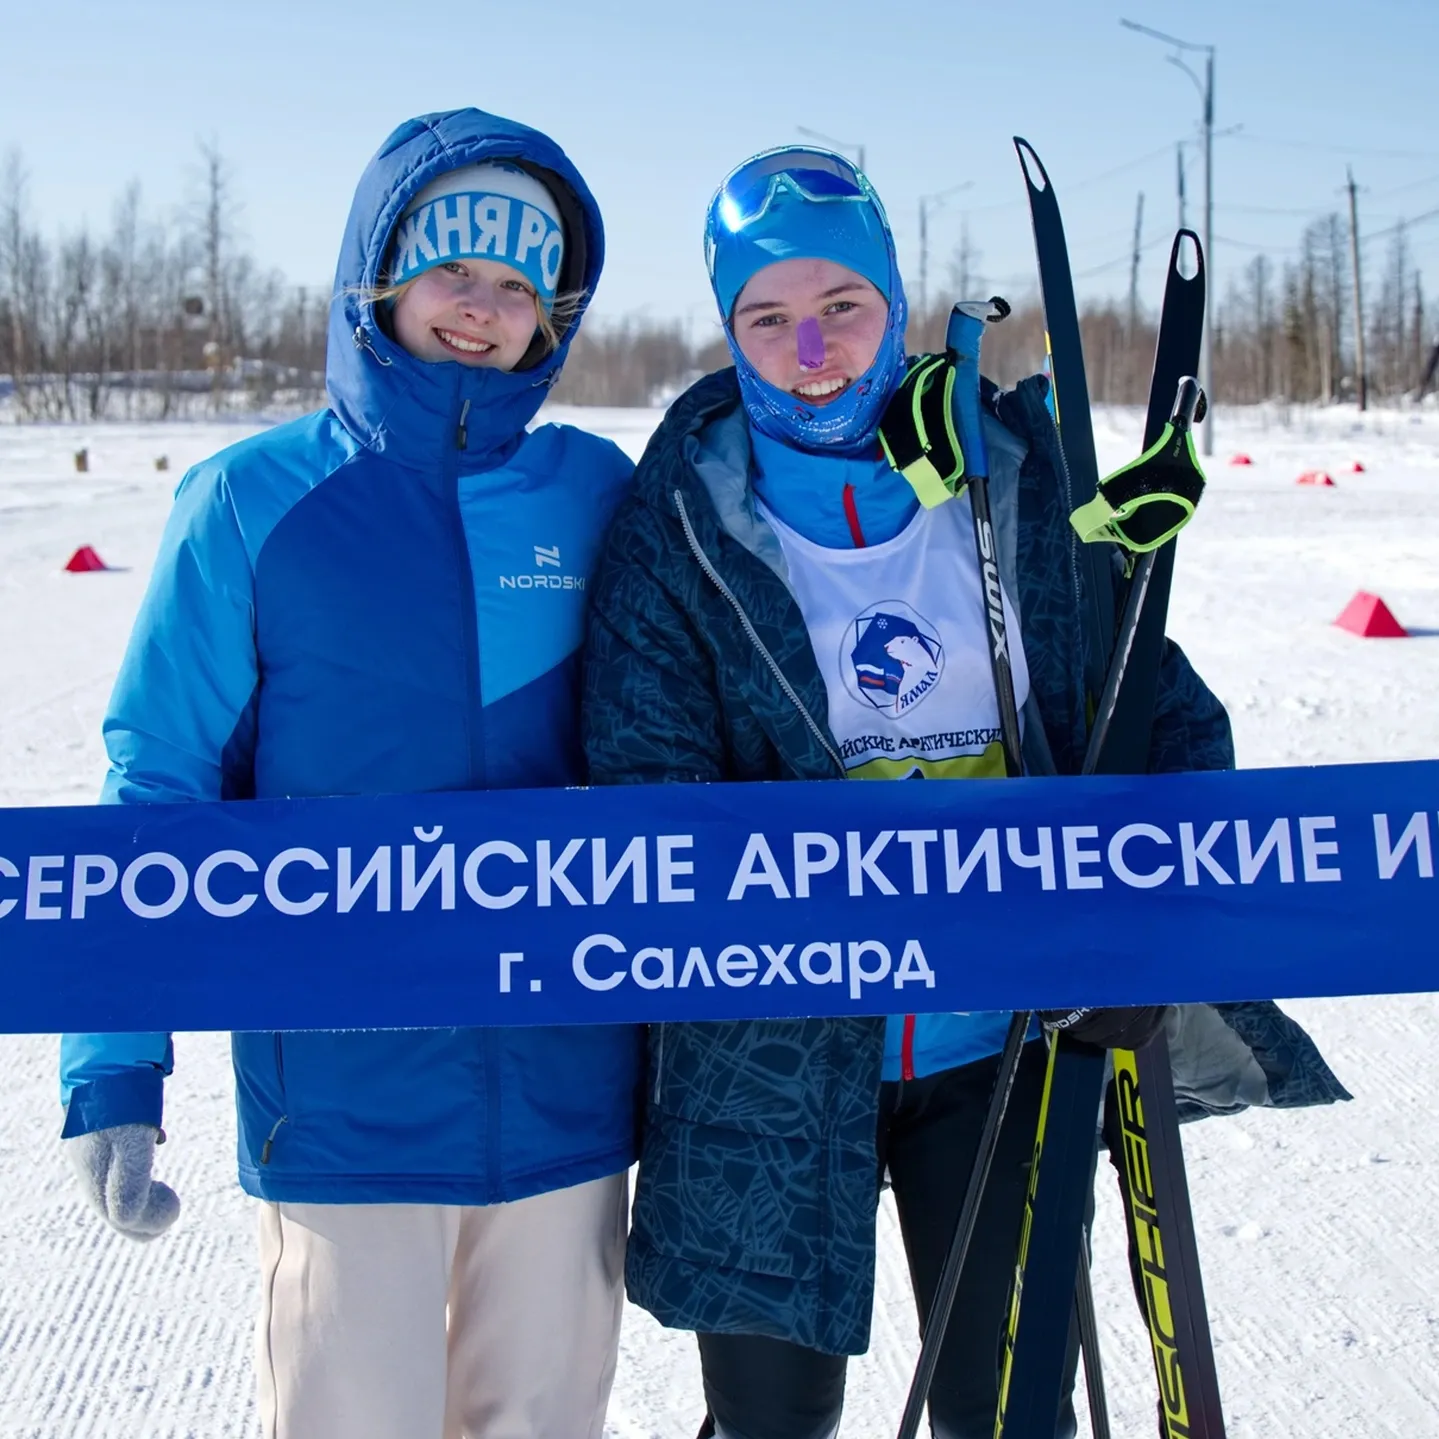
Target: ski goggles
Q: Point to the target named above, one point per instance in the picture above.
(748, 192)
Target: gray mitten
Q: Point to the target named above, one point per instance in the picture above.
(114, 1167)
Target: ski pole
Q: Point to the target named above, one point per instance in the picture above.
(936, 1322)
(962, 339)
(1189, 407)
(1089, 1346)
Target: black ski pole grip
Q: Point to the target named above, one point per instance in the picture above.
(1190, 404)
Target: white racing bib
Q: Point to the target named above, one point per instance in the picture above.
(902, 639)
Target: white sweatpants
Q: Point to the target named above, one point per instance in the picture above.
(430, 1321)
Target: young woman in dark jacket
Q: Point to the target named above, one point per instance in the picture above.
(774, 604)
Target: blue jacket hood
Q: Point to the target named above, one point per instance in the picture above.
(400, 406)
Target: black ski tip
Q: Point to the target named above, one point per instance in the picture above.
(1186, 257)
(1031, 164)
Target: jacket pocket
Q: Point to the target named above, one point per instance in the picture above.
(283, 1118)
(713, 1196)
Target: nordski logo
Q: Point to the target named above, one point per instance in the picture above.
(546, 557)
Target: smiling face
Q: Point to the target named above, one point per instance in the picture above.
(481, 313)
(809, 327)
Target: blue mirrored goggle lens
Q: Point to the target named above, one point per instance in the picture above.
(747, 193)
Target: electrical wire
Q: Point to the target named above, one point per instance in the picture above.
(1070, 189)
(1402, 225)
(1400, 189)
(1258, 249)
(1127, 258)
(1271, 210)
(1253, 139)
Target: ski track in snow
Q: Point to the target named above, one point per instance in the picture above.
(1316, 1227)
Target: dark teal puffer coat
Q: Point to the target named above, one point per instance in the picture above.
(756, 1200)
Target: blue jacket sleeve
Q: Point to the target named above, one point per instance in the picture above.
(110, 1079)
(181, 718)
(180, 726)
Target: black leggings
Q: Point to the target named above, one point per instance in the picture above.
(760, 1388)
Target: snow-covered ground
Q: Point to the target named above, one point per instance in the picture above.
(1317, 1229)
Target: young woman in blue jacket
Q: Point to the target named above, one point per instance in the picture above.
(442, 1231)
(774, 604)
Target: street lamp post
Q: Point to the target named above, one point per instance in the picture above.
(1206, 95)
(926, 204)
(836, 144)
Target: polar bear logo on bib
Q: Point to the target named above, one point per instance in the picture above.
(895, 658)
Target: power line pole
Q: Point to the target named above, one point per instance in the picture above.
(1206, 94)
(1361, 380)
(926, 204)
(1183, 207)
(1134, 268)
(1427, 378)
(923, 255)
(1207, 359)
(967, 281)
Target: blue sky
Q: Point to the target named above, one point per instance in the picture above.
(656, 99)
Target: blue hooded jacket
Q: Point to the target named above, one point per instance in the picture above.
(384, 596)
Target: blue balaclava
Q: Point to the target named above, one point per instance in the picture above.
(802, 203)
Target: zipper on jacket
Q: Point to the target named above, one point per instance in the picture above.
(851, 515)
(362, 342)
(284, 1118)
(269, 1143)
(469, 613)
(492, 1114)
(906, 1049)
(749, 629)
(659, 1058)
(474, 734)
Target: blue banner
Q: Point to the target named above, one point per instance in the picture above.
(691, 902)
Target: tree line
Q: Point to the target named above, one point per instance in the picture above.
(1280, 331)
(154, 317)
(150, 317)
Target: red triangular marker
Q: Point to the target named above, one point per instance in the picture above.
(85, 561)
(1357, 468)
(1241, 460)
(1370, 618)
(1316, 477)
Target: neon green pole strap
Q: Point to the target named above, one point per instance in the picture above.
(1146, 503)
(917, 432)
